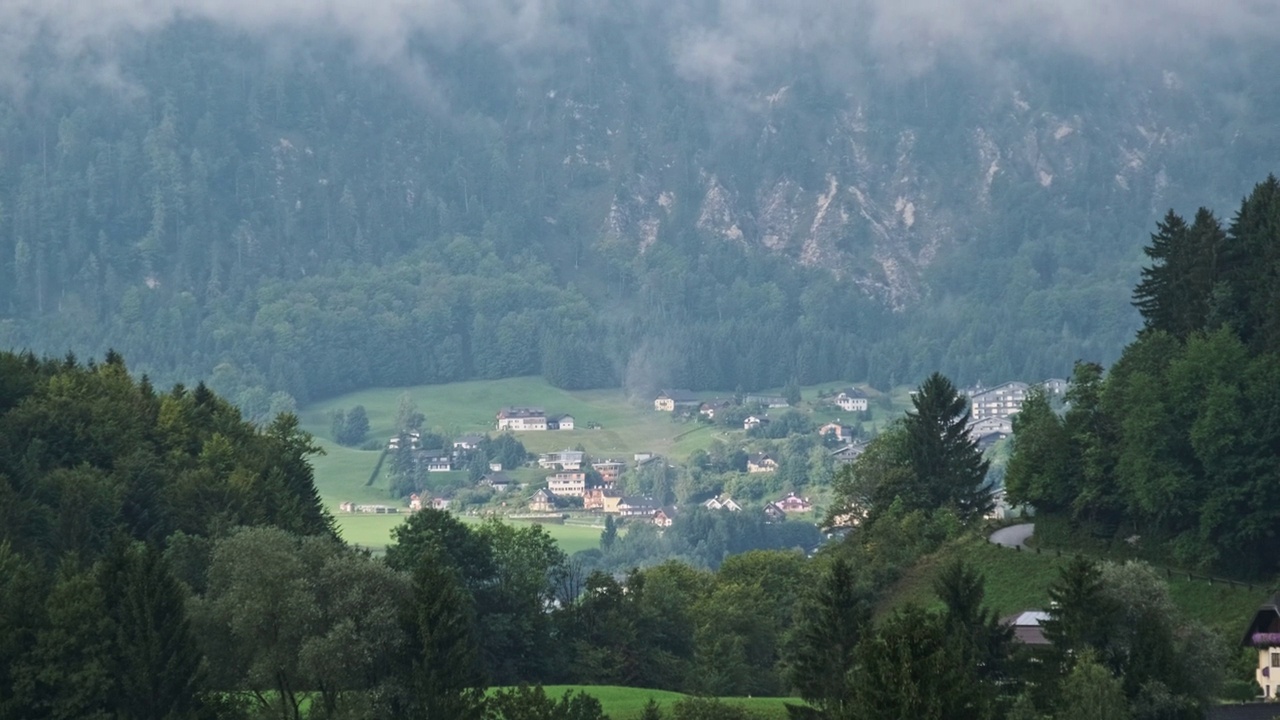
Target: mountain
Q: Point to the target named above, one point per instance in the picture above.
(312, 199)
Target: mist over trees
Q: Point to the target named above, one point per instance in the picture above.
(292, 222)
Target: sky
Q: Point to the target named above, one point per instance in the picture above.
(728, 43)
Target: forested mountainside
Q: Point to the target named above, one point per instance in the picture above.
(291, 211)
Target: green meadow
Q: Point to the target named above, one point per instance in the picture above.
(374, 531)
(624, 703)
(627, 426)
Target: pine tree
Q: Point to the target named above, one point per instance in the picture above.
(1176, 293)
(1082, 613)
(156, 663)
(826, 639)
(948, 466)
(439, 675)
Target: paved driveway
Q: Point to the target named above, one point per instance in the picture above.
(1014, 535)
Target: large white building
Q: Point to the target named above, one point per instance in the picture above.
(1001, 401)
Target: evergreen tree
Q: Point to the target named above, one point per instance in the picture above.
(1082, 614)
(826, 640)
(156, 664)
(912, 668)
(948, 466)
(439, 674)
(610, 534)
(985, 642)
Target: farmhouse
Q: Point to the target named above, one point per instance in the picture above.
(467, 442)
(520, 419)
(722, 502)
(793, 504)
(851, 400)
(1001, 401)
(1263, 635)
(754, 421)
(560, 422)
(664, 517)
(761, 463)
(542, 501)
(637, 506)
(601, 499)
(672, 400)
(769, 401)
(499, 481)
(773, 513)
(1028, 628)
(709, 408)
(437, 461)
(848, 453)
(568, 484)
(373, 509)
(843, 433)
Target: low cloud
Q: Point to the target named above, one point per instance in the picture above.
(729, 43)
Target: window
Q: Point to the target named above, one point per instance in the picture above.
(1275, 659)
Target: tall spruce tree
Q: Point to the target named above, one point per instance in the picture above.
(440, 672)
(948, 466)
(156, 663)
(826, 640)
(1176, 292)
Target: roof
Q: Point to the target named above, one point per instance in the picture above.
(468, 438)
(521, 412)
(497, 478)
(1265, 620)
(853, 392)
(1011, 385)
(1028, 627)
(680, 396)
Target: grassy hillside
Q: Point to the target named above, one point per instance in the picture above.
(1019, 580)
(624, 703)
(627, 426)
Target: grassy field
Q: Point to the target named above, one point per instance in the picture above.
(374, 531)
(1018, 581)
(624, 703)
(628, 426)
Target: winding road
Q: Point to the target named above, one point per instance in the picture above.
(1014, 536)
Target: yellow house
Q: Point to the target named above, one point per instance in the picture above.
(671, 400)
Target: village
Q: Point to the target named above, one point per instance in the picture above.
(572, 483)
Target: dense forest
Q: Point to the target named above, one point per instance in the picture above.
(290, 221)
(1175, 448)
(162, 557)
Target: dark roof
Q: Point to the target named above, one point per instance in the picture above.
(497, 478)
(680, 396)
(521, 412)
(1265, 620)
(639, 502)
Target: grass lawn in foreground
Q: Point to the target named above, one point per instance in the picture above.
(625, 703)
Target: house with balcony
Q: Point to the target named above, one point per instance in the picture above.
(761, 463)
(568, 484)
(1001, 401)
(1263, 635)
(562, 460)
